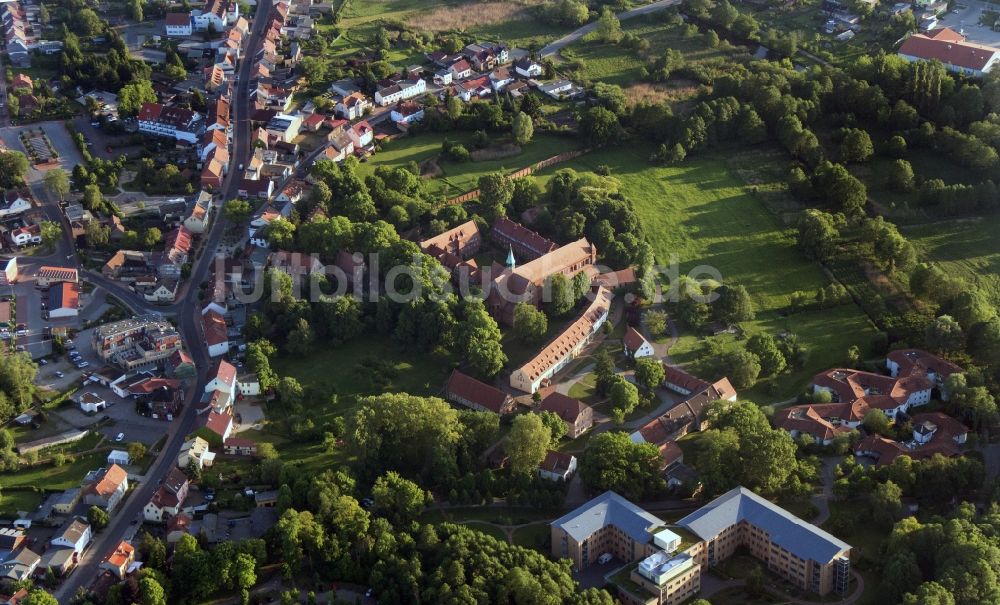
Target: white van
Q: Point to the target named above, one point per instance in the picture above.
(604, 559)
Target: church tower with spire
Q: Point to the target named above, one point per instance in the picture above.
(510, 259)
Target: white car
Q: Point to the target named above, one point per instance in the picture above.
(604, 559)
(120, 437)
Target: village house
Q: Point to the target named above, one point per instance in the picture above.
(407, 112)
(578, 416)
(352, 106)
(238, 446)
(526, 67)
(557, 466)
(14, 202)
(219, 424)
(216, 333)
(500, 78)
(120, 560)
(195, 452)
(197, 221)
(108, 488)
(75, 535)
(466, 390)
(393, 91)
(178, 25)
(20, 566)
(168, 499)
(635, 344)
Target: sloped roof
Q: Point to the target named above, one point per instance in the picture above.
(564, 406)
(470, 389)
(802, 539)
(948, 51)
(110, 481)
(609, 509)
(633, 339)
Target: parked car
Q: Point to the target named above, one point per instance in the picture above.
(43, 362)
(120, 437)
(60, 375)
(83, 364)
(604, 559)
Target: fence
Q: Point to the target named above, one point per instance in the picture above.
(556, 159)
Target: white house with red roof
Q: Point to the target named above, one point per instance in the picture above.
(407, 112)
(951, 49)
(216, 333)
(362, 134)
(222, 377)
(636, 345)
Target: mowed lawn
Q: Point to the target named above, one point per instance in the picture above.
(968, 248)
(698, 213)
(460, 178)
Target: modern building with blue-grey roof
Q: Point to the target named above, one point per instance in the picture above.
(798, 551)
(607, 524)
(661, 564)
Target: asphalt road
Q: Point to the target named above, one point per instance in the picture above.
(555, 47)
(186, 312)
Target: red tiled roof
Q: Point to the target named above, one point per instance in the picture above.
(218, 423)
(224, 371)
(178, 19)
(676, 376)
(122, 555)
(949, 51)
(633, 339)
(110, 481)
(215, 328)
(564, 406)
(523, 236)
(556, 462)
(470, 389)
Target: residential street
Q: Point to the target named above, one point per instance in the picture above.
(186, 312)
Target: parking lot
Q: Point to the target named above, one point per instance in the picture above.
(121, 413)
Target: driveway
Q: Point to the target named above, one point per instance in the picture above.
(568, 39)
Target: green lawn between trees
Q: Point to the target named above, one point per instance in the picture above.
(700, 213)
(460, 178)
(15, 493)
(968, 248)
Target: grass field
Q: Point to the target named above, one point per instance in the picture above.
(459, 178)
(512, 22)
(335, 370)
(968, 248)
(338, 370)
(700, 214)
(611, 63)
(46, 477)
